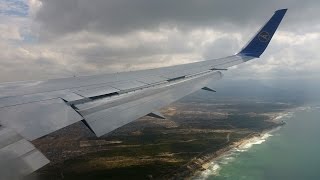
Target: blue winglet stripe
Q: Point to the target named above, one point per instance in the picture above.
(261, 40)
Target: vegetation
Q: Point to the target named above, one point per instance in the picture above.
(156, 149)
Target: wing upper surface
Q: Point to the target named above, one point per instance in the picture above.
(35, 109)
(105, 102)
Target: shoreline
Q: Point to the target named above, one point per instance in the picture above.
(234, 146)
(202, 163)
(197, 145)
(239, 146)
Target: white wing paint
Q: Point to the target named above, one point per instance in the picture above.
(29, 110)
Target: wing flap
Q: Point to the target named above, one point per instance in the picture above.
(96, 91)
(34, 120)
(36, 108)
(102, 119)
(32, 98)
(18, 156)
(126, 85)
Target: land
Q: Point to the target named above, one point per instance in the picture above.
(193, 134)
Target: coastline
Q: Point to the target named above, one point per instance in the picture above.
(200, 164)
(195, 145)
(239, 146)
(255, 163)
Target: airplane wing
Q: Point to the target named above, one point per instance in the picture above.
(32, 109)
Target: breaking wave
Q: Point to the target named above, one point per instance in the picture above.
(215, 166)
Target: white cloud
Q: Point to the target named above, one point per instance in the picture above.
(9, 32)
(34, 6)
(89, 49)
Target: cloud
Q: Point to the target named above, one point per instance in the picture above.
(58, 38)
(122, 16)
(291, 56)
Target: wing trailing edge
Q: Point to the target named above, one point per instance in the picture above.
(108, 101)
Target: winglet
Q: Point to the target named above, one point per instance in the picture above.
(261, 40)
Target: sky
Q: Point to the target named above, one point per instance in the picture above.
(58, 38)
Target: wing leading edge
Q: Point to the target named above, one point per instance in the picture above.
(105, 115)
(109, 101)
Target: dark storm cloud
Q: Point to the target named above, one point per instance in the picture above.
(122, 16)
(98, 36)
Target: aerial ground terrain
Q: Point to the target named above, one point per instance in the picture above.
(196, 130)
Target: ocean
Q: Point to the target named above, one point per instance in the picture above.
(291, 152)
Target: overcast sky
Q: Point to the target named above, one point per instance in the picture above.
(62, 38)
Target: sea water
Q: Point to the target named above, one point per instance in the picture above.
(292, 152)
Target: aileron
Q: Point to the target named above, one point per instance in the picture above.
(29, 110)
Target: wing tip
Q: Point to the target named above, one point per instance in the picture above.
(261, 40)
(282, 10)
